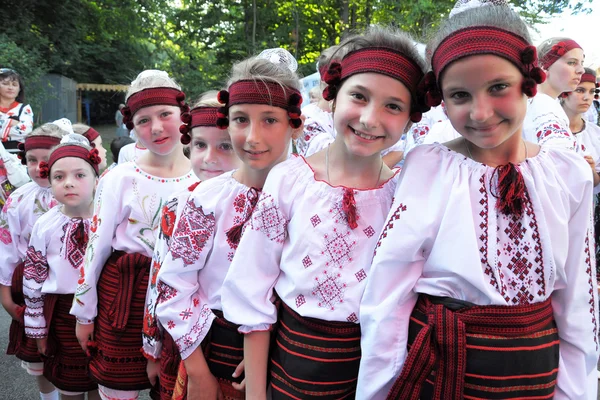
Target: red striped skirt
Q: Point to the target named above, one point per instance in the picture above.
(223, 350)
(169, 367)
(66, 364)
(19, 344)
(118, 362)
(460, 351)
(314, 359)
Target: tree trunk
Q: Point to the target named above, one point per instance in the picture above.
(254, 26)
(368, 13)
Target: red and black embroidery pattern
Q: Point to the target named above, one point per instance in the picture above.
(338, 248)
(269, 219)
(36, 266)
(483, 238)
(165, 292)
(588, 271)
(194, 335)
(193, 231)
(74, 242)
(329, 289)
(167, 220)
(390, 224)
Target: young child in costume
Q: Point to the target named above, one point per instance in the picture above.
(262, 110)
(109, 302)
(13, 174)
(485, 266)
(311, 236)
(211, 154)
(546, 123)
(54, 257)
(22, 209)
(16, 117)
(93, 136)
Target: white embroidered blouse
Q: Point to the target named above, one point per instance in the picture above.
(588, 143)
(299, 243)
(22, 128)
(22, 209)
(126, 218)
(444, 237)
(193, 271)
(546, 123)
(318, 130)
(52, 265)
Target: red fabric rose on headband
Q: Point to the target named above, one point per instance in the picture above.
(94, 157)
(333, 79)
(44, 170)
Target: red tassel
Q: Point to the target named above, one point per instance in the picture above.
(511, 190)
(235, 233)
(349, 207)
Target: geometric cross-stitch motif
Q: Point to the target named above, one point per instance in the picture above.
(192, 233)
(369, 231)
(268, 219)
(361, 275)
(315, 220)
(307, 262)
(74, 242)
(338, 248)
(36, 266)
(329, 290)
(352, 318)
(300, 300)
(390, 224)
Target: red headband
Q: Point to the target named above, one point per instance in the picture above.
(152, 97)
(557, 51)
(199, 116)
(588, 78)
(91, 156)
(260, 92)
(91, 135)
(36, 142)
(480, 40)
(380, 60)
(585, 78)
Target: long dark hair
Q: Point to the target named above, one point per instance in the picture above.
(11, 74)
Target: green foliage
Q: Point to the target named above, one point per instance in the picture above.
(110, 41)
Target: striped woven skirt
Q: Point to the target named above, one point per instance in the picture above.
(19, 344)
(460, 351)
(314, 359)
(169, 367)
(223, 350)
(66, 365)
(118, 362)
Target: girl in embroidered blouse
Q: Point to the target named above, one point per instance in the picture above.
(16, 117)
(488, 246)
(211, 154)
(545, 122)
(93, 136)
(19, 214)
(262, 111)
(315, 224)
(54, 258)
(109, 301)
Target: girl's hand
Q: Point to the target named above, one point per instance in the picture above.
(153, 371)
(203, 387)
(592, 164)
(84, 332)
(238, 371)
(11, 308)
(42, 345)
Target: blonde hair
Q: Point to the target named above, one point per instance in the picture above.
(80, 128)
(502, 17)
(259, 69)
(49, 129)
(151, 78)
(208, 99)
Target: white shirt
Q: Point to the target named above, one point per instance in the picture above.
(22, 128)
(444, 237)
(52, 265)
(126, 218)
(197, 274)
(22, 209)
(318, 130)
(130, 152)
(546, 123)
(588, 143)
(420, 130)
(299, 243)
(441, 132)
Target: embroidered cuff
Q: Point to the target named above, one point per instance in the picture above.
(84, 321)
(245, 329)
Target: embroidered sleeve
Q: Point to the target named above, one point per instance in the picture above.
(550, 131)
(180, 307)
(248, 287)
(34, 276)
(576, 306)
(10, 228)
(152, 330)
(389, 298)
(99, 248)
(25, 124)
